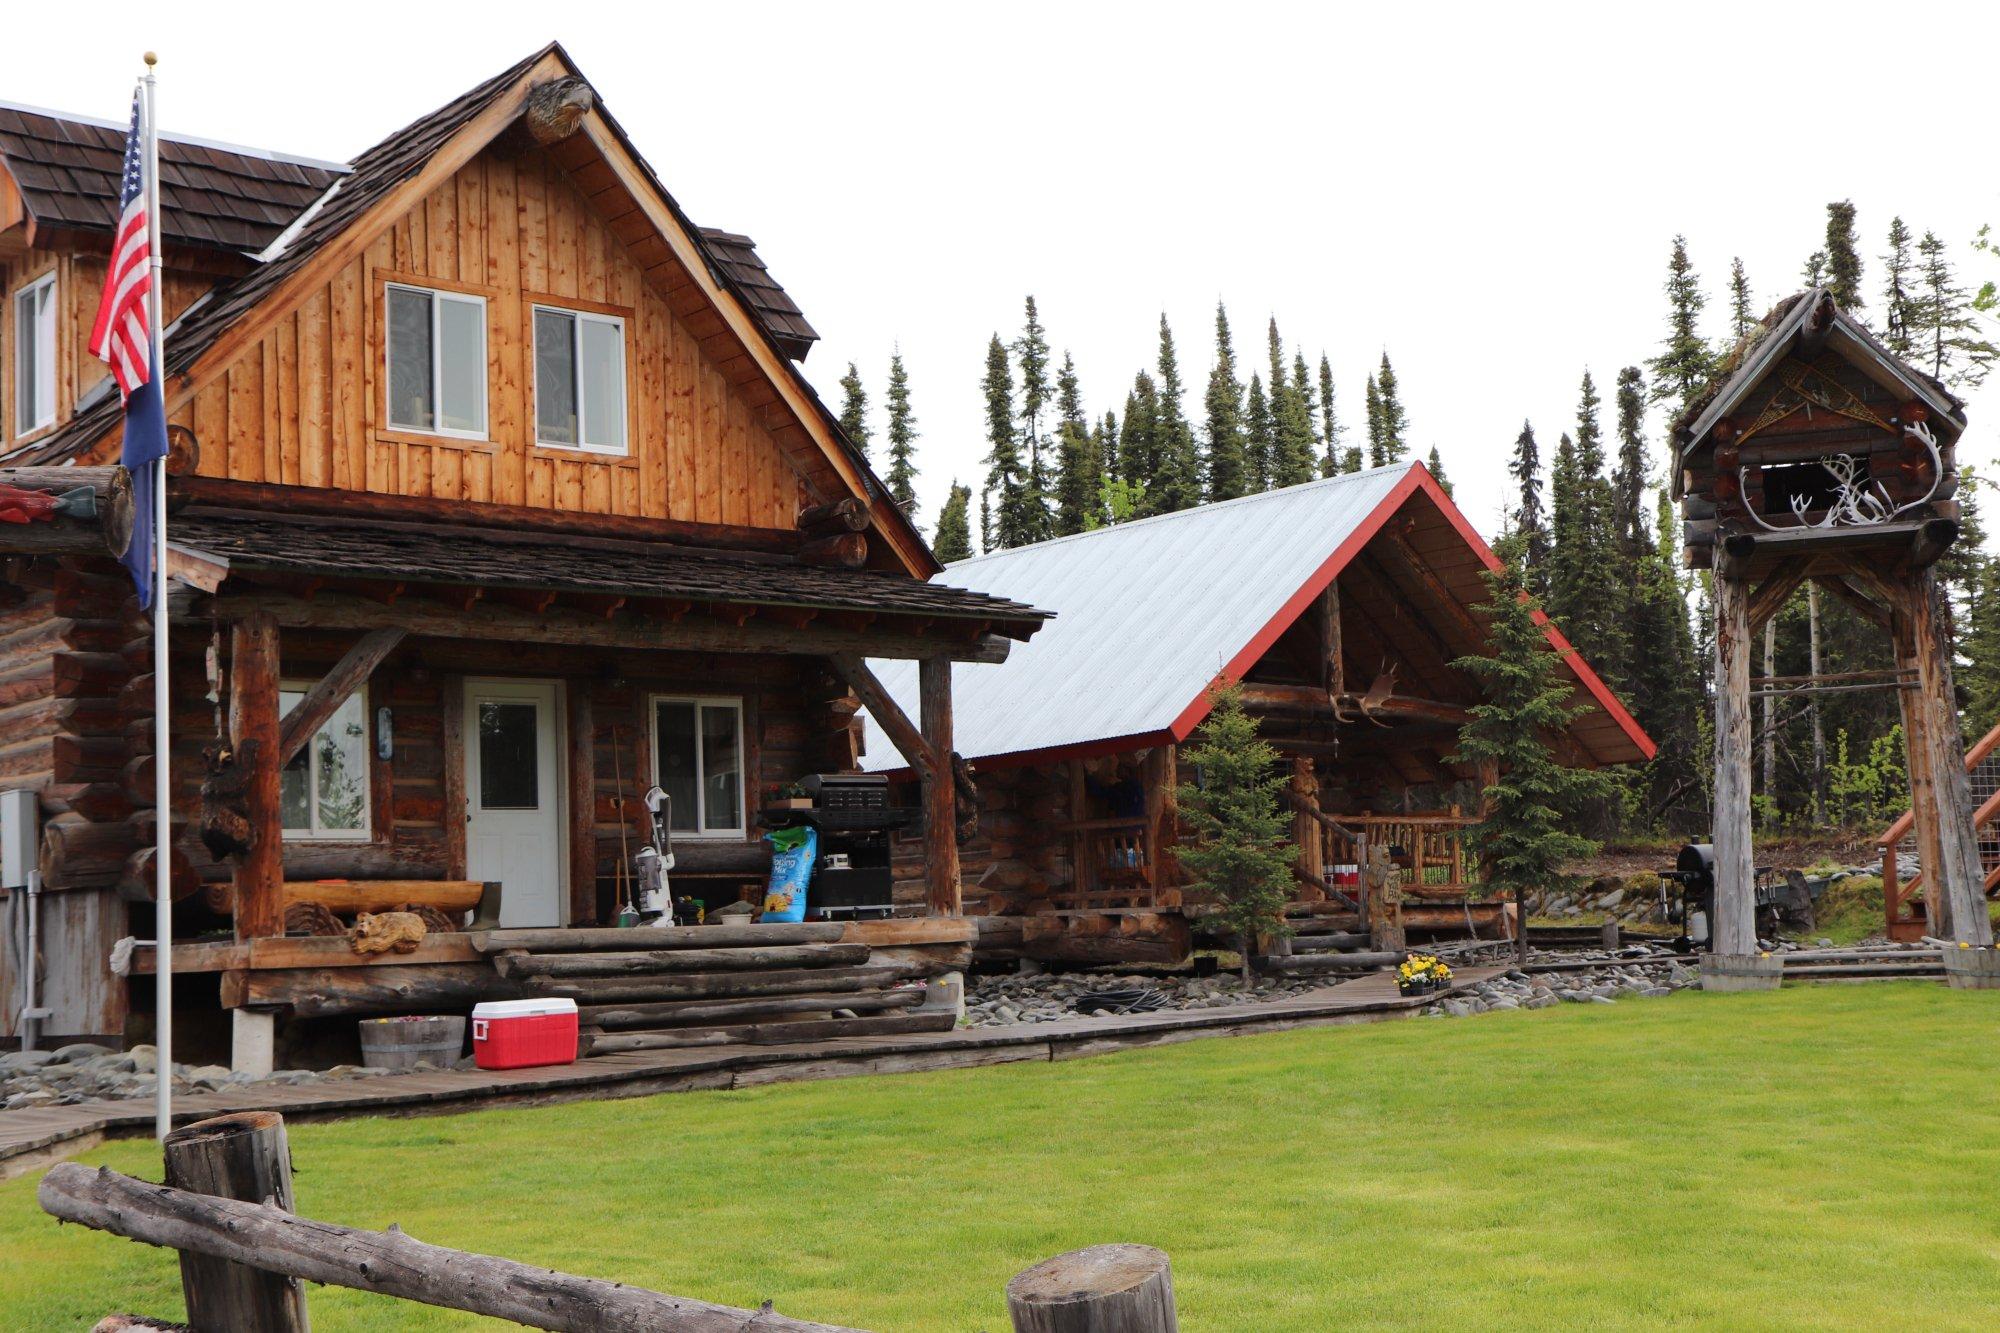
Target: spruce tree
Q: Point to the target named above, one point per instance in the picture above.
(902, 434)
(1331, 460)
(954, 535)
(1395, 422)
(1843, 258)
(1227, 460)
(1176, 480)
(986, 520)
(1948, 342)
(1236, 855)
(1901, 313)
(1260, 443)
(1138, 442)
(1031, 352)
(1436, 467)
(854, 409)
(1018, 516)
(1590, 585)
(1525, 842)
(1373, 398)
(1565, 536)
(1979, 644)
(1685, 362)
(1814, 272)
(1114, 497)
(1629, 521)
(1742, 317)
(1531, 517)
(1291, 459)
(1079, 486)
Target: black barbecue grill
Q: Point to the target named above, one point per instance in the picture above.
(855, 821)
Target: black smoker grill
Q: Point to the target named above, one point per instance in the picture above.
(1783, 898)
(855, 820)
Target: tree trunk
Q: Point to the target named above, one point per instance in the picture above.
(242, 1156)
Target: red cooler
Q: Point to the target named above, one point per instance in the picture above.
(518, 1034)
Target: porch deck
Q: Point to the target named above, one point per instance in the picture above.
(28, 1137)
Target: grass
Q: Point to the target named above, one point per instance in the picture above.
(1811, 1158)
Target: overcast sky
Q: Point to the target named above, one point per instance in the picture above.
(1487, 191)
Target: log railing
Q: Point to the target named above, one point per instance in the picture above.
(1428, 847)
(244, 1257)
(1902, 920)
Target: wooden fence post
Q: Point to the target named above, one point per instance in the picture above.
(1104, 1289)
(242, 1156)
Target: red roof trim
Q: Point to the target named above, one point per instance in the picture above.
(1418, 479)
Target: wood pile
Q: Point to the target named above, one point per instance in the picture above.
(662, 987)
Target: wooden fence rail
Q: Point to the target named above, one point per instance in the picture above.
(242, 1260)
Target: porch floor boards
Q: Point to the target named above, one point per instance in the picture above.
(30, 1136)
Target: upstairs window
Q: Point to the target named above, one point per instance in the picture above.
(35, 355)
(323, 791)
(579, 380)
(437, 362)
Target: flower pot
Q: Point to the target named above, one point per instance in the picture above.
(1415, 985)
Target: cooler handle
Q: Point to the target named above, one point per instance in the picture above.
(479, 1029)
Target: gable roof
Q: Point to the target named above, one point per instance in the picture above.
(1752, 361)
(377, 178)
(216, 196)
(1150, 613)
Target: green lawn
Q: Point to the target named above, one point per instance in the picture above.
(1807, 1159)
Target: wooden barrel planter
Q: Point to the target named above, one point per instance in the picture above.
(399, 1043)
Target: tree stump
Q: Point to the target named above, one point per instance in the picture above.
(1104, 1289)
(242, 1156)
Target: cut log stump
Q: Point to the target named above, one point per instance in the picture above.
(1104, 1289)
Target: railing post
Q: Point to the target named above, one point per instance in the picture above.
(1104, 1289)
(242, 1156)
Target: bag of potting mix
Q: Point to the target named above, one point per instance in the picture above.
(793, 851)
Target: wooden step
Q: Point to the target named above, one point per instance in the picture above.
(724, 985)
(1329, 943)
(679, 960)
(775, 1034)
(682, 1013)
(1332, 962)
(645, 938)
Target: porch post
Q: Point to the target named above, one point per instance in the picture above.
(940, 791)
(582, 728)
(253, 734)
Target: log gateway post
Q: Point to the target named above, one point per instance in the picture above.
(1733, 933)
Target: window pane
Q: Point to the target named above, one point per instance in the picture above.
(509, 767)
(462, 364)
(24, 361)
(604, 383)
(555, 377)
(675, 730)
(341, 748)
(295, 781)
(721, 769)
(410, 401)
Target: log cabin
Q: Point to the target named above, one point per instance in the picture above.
(1340, 605)
(497, 496)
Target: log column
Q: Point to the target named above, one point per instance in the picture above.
(1917, 751)
(940, 793)
(582, 728)
(1309, 859)
(1734, 930)
(1956, 873)
(253, 734)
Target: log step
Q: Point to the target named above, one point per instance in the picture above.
(1333, 962)
(1336, 943)
(682, 1013)
(720, 985)
(776, 1034)
(679, 960)
(645, 938)
(1822, 971)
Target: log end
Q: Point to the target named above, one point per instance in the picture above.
(1108, 1287)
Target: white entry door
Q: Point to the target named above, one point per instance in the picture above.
(513, 796)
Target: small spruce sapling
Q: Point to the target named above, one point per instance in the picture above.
(1237, 854)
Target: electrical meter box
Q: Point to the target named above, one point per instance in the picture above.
(20, 837)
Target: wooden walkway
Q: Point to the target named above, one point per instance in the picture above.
(31, 1136)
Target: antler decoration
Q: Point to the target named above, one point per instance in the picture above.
(1858, 502)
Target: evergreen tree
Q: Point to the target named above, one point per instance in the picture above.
(1531, 518)
(1259, 438)
(1176, 479)
(1330, 429)
(1814, 272)
(902, 478)
(1979, 644)
(1565, 537)
(854, 409)
(1437, 471)
(1742, 317)
(1031, 351)
(986, 520)
(1664, 680)
(1395, 422)
(1526, 840)
(1590, 581)
(1236, 855)
(1843, 258)
(1685, 363)
(1629, 521)
(1080, 465)
(1019, 516)
(954, 536)
(1114, 497)
(1948, 342)
(1373, 399)
(1291, 459)
(1138, 443)
(1901, 313)
(1227, 461)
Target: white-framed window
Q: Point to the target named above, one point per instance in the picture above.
(323, 791)
(698, 759)
(579, 380)
(436, 360)
(35, 355)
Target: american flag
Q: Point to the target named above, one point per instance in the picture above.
(122, 337)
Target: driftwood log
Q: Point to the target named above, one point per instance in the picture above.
(387, 1262)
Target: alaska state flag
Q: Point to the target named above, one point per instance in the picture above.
(145, 444)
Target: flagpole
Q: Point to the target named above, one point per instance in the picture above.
(163, 823)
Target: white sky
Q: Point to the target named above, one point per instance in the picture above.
(1489, 191)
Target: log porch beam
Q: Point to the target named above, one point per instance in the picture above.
(311, 713)
(1771, 596)
(904, 734)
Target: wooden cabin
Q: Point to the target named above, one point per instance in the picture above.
(1340, 605)
(498, 496)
